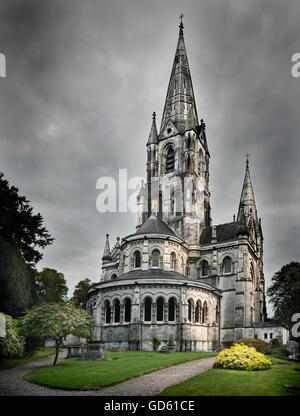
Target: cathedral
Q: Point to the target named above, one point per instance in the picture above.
(178, 275)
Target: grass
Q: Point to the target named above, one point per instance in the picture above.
(73, 374)
(32, 356)
(282, 379)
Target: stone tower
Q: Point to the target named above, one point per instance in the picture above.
(178, 157)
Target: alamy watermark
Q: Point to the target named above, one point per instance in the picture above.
(2, 65)
(295, 70)
(180, 194)
(296, 326)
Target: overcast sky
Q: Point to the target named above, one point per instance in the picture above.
(83, 78)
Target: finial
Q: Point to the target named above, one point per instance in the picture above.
(154, 115)
(233, 217)
(181, 27)
(107, 235)
(247, 160)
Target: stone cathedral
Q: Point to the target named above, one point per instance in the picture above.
(178, 274)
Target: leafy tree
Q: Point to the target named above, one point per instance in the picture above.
(284, 292)
(80, 295)
(12, 345)
(56, 321)
(51, 285)
(19, 225)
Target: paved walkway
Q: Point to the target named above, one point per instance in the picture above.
(13, 384)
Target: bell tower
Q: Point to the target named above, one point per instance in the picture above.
(178, 157)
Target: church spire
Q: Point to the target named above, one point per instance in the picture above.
(153, 137)
(106, 258)
(180, 105)
(247, 205)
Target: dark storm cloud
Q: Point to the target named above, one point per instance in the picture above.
(83, 80)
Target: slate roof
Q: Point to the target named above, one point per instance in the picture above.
(225, 232)
(153, 225)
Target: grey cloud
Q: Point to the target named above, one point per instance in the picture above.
(83, 80)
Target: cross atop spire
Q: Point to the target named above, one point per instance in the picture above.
(181, 27)
(247, 160)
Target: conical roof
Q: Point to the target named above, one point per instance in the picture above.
(154, 225)
(247, 204)
(180, 105)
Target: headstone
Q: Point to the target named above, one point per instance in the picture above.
(293, 348)
(2, 326)
(171, 345)
(93, 351)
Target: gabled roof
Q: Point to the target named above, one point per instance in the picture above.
(225, 232)
(154, 225)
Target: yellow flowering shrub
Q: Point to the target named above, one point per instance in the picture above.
(242, 357)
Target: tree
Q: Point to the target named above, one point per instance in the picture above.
(51, 285)
(19, 225)
(80, 295)
(12, 345)
(56, 321)
(284, 292)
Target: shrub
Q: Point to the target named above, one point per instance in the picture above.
(13, 343)
(281, 351)
(258, 344)
(155, 343)
(242, 357)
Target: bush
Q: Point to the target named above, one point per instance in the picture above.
(258, 344)
(281, 351)
(13, 344)
(242, 357)
(155, 343)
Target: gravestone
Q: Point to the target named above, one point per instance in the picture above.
(293, 349)
(93, 351)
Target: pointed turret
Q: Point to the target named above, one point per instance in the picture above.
(247, 207)
(153, 136)
(180, 105)
(106, 258)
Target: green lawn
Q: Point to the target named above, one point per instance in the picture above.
(280, 380)
(14, 362)
(81, 375)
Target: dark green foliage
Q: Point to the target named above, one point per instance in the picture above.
(284, 292)
(51, 285)
(13, 344)
(278, 350)
(19, 225)
(80, 295)
(258, 344)
(17, 284)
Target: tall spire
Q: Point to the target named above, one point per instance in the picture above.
(247, 205)
(153, 137)
(106, 258)
(180, 105)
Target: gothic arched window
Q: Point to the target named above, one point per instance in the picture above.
(170, 160)
(117, 311)
(137, 259)
(127, 315)
(204, 268)
(107, 312)
(198, 311)
(204, 313)
(160, 309)
(113, 276)
(227, 265)
(155, 258)
(190, 307)
(172, 261)
(172, 202)
(148, 309)
(171, 314)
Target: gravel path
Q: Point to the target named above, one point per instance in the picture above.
(13, 384)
